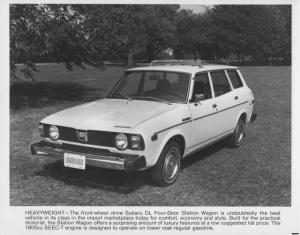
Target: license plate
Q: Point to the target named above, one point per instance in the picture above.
(74, 161)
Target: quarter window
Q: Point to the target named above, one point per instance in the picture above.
(220, 83)
(235, 78)
(201, 86)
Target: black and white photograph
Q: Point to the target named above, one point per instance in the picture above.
(150, 105)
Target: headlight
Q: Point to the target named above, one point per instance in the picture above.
(121, 141)
(53, 132)
(41, 130)
(136, 142)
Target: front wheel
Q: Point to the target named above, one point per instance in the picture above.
(236, 139)
(167, 168)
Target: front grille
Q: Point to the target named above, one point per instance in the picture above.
(89, 150)
(102, 138)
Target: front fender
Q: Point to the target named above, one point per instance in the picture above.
(159, 130)
(162, 140)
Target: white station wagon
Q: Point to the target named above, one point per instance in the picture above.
(153, 118)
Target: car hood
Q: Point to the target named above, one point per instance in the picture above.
(109, 114)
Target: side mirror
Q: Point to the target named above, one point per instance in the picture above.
(199, 97)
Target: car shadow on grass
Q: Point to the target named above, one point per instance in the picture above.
(39, 94)
(98, 178)
(204, 153)
(114, 180)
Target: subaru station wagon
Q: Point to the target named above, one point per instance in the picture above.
(153, 117)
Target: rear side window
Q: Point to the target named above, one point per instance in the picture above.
(220, 83)
(235, 78)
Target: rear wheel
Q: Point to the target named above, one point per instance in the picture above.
(236, 139)
(167, 168)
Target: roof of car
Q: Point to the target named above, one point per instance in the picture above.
(184, 68)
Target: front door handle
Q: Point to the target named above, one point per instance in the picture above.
(236, 97)
(186, 119)
(214, 105)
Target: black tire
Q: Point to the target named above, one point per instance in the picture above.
(167, 168)
(237, 137)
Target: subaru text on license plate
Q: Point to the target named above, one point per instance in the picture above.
(74, 161)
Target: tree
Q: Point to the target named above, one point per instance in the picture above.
(87, 34)
(255, 30)
(286, 12)
(66, 36)
(187, 33)
(195, 35)
(160, 28)
(130, 29)
(27, 37)
(229, 34)
(39, 30)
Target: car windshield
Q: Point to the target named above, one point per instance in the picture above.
(160, 86)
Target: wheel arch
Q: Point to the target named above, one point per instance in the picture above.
(178, 137)
(243, 115)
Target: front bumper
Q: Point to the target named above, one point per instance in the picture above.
(94, 157)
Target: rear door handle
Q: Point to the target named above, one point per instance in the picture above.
(236, 97)
(214, 105)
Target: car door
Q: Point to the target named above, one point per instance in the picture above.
(204, 119)
(225, 102)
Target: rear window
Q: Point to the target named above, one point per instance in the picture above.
(220, 83)
(235, 78)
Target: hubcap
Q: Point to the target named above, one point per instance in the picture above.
(171, 165)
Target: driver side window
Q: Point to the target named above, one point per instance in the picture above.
(201, 86)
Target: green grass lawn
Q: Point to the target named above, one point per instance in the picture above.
(256, 174)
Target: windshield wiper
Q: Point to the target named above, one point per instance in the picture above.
(121, 95)
(153, 98)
